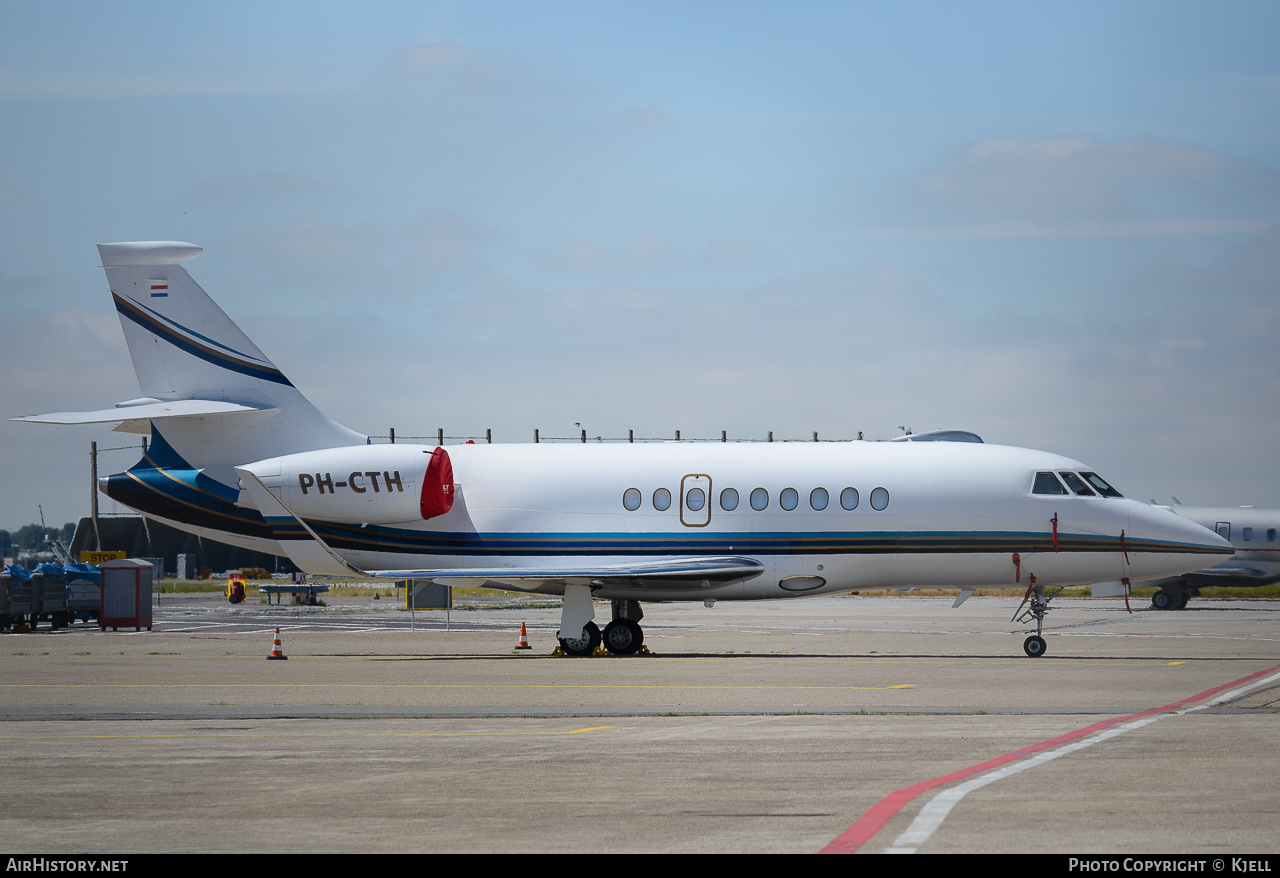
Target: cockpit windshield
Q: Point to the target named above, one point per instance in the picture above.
(1076, 484)
(1047, 483)
(1102, 487)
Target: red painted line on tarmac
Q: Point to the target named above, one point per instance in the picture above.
(887, 808)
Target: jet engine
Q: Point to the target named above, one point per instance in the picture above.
(377, 484)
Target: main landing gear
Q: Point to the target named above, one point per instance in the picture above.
(1036, 606)
(622, 636)
(584, 644)
(1170, 599)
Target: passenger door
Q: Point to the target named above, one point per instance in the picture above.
(695, 500)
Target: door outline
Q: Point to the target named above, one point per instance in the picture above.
(700, 517)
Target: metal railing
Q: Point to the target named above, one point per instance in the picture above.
(440, 438)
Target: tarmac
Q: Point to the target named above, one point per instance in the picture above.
(846, 723)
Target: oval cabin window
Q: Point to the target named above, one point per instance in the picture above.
(694, 499)
(849, 499)
(818, 498)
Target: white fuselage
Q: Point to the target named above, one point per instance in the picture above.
(954, 514)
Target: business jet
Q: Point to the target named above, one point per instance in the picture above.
(1256, 562)
(239, 455)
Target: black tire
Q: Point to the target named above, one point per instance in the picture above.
(584, 645)
(1034, 646)
(1183, 597)
(1164, 600)
(623, 637)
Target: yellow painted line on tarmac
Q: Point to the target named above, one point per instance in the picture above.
(1176, 663)
(610, 686)
(312, 735)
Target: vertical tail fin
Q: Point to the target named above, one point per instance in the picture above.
(184, 346)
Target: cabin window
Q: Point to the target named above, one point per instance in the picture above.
(818, 498)
(1271, 535)
(1047, 483)
(1102, 487)
(662, 499)
(1077, 485)
(879, 498)
(694, 499)
(729, 499)
(1248, 534)
(631, 499)
(849, 498)
(789, 499)
(759, 499)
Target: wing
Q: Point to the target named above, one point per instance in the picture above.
(691, 573)
(315, 555)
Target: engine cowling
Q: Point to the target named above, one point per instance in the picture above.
(378, 484)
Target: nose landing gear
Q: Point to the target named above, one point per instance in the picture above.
(1037, 604)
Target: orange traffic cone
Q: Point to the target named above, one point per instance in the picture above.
(524, 639)
(276, 651)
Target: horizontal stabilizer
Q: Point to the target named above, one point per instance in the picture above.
(173, 408)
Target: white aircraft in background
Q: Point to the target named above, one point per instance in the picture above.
(238, 454)
(1251, 531)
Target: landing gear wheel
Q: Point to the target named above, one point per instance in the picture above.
(584, 645)
(1182, 601)
(1164, 600)
(623, 637)
(1034, 646)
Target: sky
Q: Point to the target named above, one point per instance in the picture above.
(1056, 224)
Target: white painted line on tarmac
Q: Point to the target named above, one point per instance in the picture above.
(936, 811)
(878, 815)
(932, 814)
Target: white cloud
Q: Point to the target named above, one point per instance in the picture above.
(160, 84)
(1079, 186)
(640, 251)
(266, 184)
(447, 242)
(448, 57)
(324, 259)
(645, 117)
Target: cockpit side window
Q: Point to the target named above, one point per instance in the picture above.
(1047, 483)
(1102, 487)
(1077, 485)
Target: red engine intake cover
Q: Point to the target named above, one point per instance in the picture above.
(437, 485)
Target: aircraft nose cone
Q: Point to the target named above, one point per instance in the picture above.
(1164, 544)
